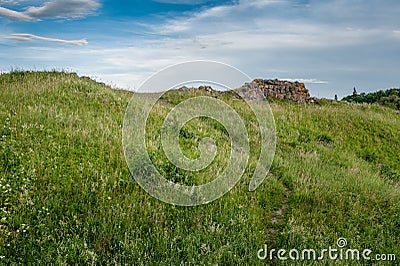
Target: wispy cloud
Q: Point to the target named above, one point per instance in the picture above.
(54, 9)
(64, 9)
(222, 18)
(15, 15)
(30, 37)
(10, 1)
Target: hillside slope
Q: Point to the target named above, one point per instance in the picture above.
(67, 197)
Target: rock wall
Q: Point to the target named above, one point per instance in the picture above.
(260, 89)
(276, 89)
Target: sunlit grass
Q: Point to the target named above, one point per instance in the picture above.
(67, 197)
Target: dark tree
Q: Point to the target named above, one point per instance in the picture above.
(355, 92)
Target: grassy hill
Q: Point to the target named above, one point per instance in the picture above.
(67, 197)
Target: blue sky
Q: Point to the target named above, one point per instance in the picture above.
(331, 45)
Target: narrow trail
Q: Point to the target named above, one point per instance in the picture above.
(277, 221)
(279, 214)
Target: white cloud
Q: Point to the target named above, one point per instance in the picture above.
(64, 9)
(54, 9)
(259, 3)
(10, 1)
(239, 16)
(30, 37)
(14, 15)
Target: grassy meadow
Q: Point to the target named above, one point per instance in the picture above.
(67, 196)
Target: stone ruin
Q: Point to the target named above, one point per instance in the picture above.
(260, 89)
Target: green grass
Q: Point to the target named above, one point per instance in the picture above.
(67, 197)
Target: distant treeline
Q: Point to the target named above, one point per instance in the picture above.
(389, 98)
